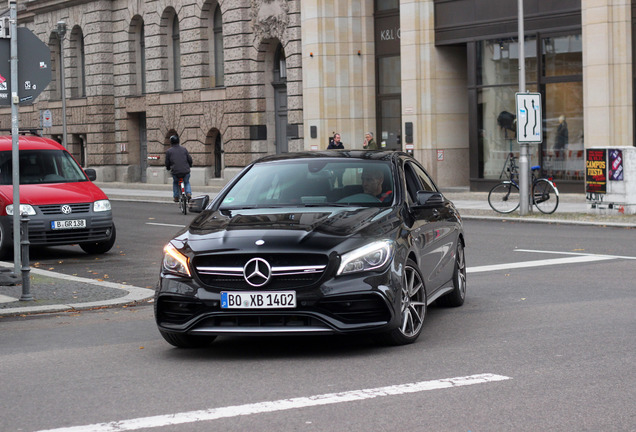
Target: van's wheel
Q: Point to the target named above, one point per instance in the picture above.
(6, 245)
(96, 248)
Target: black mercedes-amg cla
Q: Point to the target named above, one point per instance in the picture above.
(315, 243)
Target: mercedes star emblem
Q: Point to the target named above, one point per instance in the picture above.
(257, 272)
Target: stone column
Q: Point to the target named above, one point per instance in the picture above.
(434, 95)
(607, 72)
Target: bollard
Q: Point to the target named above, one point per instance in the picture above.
(24, 252)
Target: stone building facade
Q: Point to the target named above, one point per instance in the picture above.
(238, 79)
(225, 75)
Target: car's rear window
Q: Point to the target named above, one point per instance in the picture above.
(313, 182)
(41, 166)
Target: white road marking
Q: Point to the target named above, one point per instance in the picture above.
(575, 258)
(537, 263)
(576, 253)
(281, 405)
(165, 224)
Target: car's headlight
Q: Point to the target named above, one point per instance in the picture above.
(174, 261)
(24, 208)
(101, 206)
(370, 257)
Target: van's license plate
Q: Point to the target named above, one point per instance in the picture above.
(68, 224)
(258, 300)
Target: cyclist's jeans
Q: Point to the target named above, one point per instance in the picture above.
(175, 185)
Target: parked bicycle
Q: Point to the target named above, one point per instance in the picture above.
(504, 196)
(183, 197)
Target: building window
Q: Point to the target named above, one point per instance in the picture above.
(388, 72)
(174, 54)
(78, 63)
(219, 72)
(280, 65)
(140, 55)
(557, 75)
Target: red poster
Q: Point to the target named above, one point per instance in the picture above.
(596, 171)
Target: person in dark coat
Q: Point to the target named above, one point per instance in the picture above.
(336, 143)
(562, 138)
(178, 162)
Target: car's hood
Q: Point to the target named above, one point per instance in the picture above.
(310, 228)
(54, 193)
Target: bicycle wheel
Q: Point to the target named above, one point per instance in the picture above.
(545, 196)
(504, 197)
(183, 204)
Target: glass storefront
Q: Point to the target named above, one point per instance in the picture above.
(557, 75)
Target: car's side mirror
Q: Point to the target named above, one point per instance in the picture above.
(429, 199)
(91, 174)
(199, 203)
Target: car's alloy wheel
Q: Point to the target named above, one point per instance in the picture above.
(457, 296)
(413, 308)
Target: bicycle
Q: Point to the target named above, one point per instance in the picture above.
(504, 196)
(183, 197)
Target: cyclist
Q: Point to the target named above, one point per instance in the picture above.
(178, 162)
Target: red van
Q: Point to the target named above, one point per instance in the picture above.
(63, 204)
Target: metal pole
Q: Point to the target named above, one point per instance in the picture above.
(523, 147)
(15, 130)
(61, 27)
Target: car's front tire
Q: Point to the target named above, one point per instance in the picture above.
(97, 248)
(181, 340)
(457, 296)
(413, 308)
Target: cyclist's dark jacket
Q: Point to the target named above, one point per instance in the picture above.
(178, 160)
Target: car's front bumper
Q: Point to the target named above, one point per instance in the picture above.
(363, 303)
(98, 228)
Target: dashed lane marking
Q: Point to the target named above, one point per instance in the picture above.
(281, 405)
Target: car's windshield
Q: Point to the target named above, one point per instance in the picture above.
(41, 166)
(313, 182)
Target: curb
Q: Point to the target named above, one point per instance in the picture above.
(132, 295)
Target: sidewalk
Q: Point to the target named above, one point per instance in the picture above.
(55, 292)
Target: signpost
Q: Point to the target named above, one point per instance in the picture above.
(34, 67)
(22, 79)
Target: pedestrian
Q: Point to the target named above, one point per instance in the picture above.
(369, 143)
(178, 162)
(335, 143)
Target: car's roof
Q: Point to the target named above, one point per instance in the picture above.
(334, 154)
(29, 142)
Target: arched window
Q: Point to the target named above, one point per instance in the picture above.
(55, 85)
(218, 48)
(175, 54)
(78, 63)
(280, 65)
(140, 56)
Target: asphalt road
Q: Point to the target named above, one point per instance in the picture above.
(142, 231)
(547, 336)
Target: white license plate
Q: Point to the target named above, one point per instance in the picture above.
(68, 224)
(258, 300)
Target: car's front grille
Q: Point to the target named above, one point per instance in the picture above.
(280, 323)
(287, 270)
(41, 236)
(56, 209)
